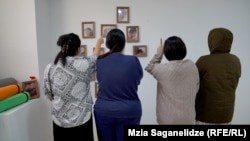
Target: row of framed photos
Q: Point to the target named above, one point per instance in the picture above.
(138, 50)
(88, 31)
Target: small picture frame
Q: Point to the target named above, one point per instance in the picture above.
(96, 89)
(88, 29)
(83, 52)
(31, 86)
(140, 50)
(105, 28)
(122, 14)
(132, 34)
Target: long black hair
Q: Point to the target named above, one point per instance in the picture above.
(69, 44)
(115, 42)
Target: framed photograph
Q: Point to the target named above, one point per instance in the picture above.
(132, 33)
(122, 14)
(140, 50)
(96, 89)
(105, 28)
(31, 87)
(83, 52)
(88, 29)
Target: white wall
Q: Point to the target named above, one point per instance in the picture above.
(19, 59)
(30, 28)
(18, 39)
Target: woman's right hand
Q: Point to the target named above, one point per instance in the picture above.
(100, 41)
(160, 46)
(97, 49)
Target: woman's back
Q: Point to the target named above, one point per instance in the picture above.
(70, 86)
(178, 83)
(118, 77)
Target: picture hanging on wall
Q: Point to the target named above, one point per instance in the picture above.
(140, 50)
(31, 86)
(88, 29)
(132, 33)
(83, 52)
(122, 14)
(105, 28)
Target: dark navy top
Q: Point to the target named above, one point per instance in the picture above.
(118, 77)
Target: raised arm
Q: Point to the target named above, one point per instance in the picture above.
(97, 49)
(156, 59)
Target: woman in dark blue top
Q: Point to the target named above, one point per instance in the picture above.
(118, 77)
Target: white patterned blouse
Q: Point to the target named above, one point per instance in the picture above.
(68, 88)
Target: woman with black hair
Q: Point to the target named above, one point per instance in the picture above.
(178, 83)
(118, 76)
(67, 86)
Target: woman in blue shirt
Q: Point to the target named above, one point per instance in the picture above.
(118, 77)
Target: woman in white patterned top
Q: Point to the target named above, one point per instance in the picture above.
(67, 85)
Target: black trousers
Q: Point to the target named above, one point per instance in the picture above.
(80, 133)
